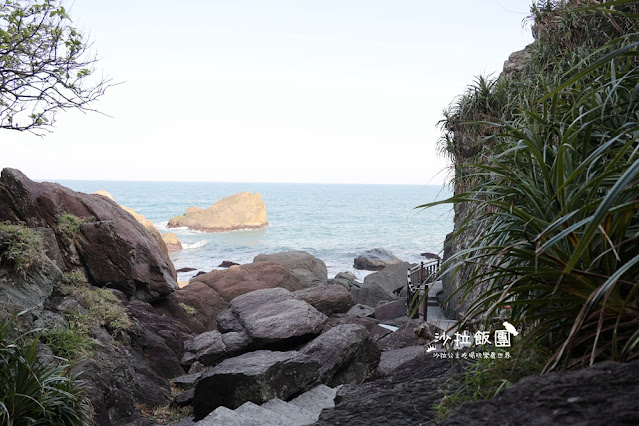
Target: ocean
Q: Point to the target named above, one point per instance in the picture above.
(333, 222)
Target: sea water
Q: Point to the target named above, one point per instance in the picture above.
(333, 222)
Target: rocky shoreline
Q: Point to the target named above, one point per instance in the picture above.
(273, 339)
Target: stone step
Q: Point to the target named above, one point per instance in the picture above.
(301, 416)
(263, 416)
(227, 417)
(316, 399)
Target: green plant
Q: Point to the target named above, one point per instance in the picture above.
(45, 64)
(189, 309)
(72, 343)
(556, 196)
(74, 277)
(32, 392)
(20, 246)
(69, 225)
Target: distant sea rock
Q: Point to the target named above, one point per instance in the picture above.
(240, 211)
(375, 260)
(172, 242)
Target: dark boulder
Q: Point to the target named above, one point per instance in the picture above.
(227, 264)
(255, 376)
(604, 394)
(328, 299)
(346, 354)
(405, 397)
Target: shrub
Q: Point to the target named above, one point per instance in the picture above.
(19, 246)
(32, 392)
(555, 191)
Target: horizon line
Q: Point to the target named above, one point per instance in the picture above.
(442, 184)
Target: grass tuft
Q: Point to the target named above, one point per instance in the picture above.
(189, 309)
(20, 247)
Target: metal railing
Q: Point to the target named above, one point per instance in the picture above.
(419, 279)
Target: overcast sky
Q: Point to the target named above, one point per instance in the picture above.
(331, 91)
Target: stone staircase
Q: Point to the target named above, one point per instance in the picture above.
(303, 410)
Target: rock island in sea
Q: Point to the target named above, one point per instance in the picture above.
(239, 211)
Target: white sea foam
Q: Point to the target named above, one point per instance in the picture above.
(196, 245)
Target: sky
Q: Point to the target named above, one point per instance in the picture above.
(330, 91)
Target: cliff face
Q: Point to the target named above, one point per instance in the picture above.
(466, 151)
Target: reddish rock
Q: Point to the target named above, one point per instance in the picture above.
(242, 279)
(115, 249)
(195, 307)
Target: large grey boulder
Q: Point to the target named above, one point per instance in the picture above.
(375, 260)
(370, 294)
(255, 376)
(311, 270)
(346, 353)
(328, 299)
(273, 318)
(212, 347)
(207, 348)
(391, 279)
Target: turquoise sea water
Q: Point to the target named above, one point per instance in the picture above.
(333, 222)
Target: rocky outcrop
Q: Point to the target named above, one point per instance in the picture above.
(328, 299)
(255, 376)
(275, 319)
(157, 236)
(375, 260)
(238, 280)
(172, 242)
(310, 270)
(240, 211)
(346, 354)
(109, 243)
(605, 393)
